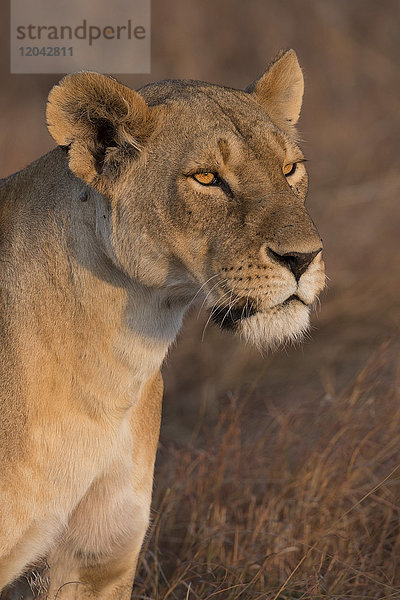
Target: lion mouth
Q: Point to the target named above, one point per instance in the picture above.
(228, 317)
(291, 298)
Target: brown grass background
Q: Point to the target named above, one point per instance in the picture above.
(277, 475)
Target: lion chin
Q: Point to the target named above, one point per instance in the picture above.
(277, 326)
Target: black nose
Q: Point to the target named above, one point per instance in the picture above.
(297, 262)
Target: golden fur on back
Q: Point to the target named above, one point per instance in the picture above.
(151, 199)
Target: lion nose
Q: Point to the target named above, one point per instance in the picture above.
(297, 262)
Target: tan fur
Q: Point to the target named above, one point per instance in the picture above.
(104, 245)
(280, 90)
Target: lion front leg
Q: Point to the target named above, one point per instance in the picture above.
(98, 553)
(89, 577)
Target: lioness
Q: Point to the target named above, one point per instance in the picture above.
(150, 197)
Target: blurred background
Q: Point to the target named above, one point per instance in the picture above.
(350, 54)
(350, 125)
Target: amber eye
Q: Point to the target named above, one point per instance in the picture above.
(289, 169)
(206, 178)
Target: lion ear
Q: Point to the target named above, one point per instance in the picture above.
(100, 120)
(280, 90)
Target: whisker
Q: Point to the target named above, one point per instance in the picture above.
(215, 305)
(231, 304)
(205, 326)
(213, 287)
(202, 286)
(229, 308)
(257, 300)
(245, 307)
(228, 311)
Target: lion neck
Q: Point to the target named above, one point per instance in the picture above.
(132, 323)
(84, 327)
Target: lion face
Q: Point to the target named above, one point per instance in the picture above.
(206, 187)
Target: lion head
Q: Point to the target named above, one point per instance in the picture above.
(205, 189)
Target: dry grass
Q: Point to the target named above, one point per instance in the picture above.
(304, 506)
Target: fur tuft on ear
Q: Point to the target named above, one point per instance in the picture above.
(99, 119)
(280, 90)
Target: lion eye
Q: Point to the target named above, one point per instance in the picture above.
(206, 178)
(289, 169)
